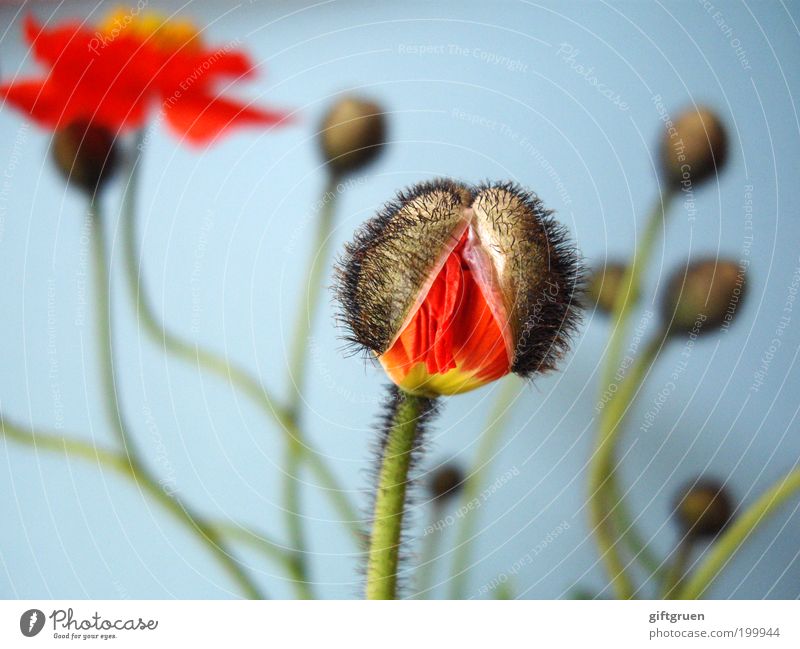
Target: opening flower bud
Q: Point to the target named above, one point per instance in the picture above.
(695, 149)
(85, 154)
(704, 297)
(445, 482)
(703, 509)
(604, 286)
(352, 134)
(452, 287)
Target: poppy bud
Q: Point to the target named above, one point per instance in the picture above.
(452, 287)
(703, 509)
(352, 134)
(85, 154)
(605, 283)
(445, 482)
(695, 148)
(703, 297)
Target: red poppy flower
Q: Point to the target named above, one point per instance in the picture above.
(116, 75)
(454, 341)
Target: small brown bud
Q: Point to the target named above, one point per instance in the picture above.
(704, 296)
(445, 482)
(695, 149)
(86, 155)
(604, 286)
(703, 509)
(352, 134)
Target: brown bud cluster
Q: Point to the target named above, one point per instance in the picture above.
(445, 482)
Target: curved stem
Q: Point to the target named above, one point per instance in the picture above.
(119, 463)
(238, 377)
(602, 469)
(307, 310)
(104, 335)
(487, 449)
(738, 532)
(677, 569)
(390, 496)
(630, 288)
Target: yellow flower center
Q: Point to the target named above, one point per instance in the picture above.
(157, 28)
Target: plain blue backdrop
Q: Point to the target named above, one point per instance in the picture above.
(557, 96)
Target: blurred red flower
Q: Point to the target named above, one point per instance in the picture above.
(116, 75)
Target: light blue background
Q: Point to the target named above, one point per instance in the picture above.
(226, 233)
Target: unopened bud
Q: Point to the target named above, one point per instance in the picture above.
(352, 134)
(445, 482)
(453, 287)
(704, 296)
(85, 154)
(703, 509)
(605, 284)
(695, 149)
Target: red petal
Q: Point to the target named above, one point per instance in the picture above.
(200, 118)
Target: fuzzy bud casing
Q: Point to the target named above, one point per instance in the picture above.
(453, 286)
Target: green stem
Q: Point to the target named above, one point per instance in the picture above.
(487, 449)
(601, 477)
(104, 335)
(307, 310)
(236, 376)
(738, 532)
(602, 469)
(390, 497)
(677, 570)
(120, 464)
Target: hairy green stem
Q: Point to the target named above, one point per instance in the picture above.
(738, 532)
(238, 377)
(490, 440)
(104, 335)
(390, 497)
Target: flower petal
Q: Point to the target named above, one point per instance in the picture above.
(201, 118)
